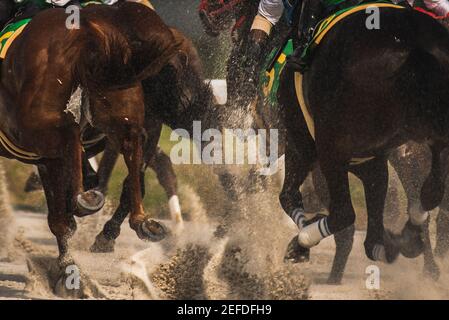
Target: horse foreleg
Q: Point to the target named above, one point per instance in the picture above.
(82, 203)
(334, 166)
(297, 167)
(146, 228)
(166, 176)
(107, 163)
(60, 219)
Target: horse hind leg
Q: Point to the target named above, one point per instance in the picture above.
(442, 227)
(374, 176)
(105, 240)
(431, 268)
(432, 191)
(343, 246)
(442, 241)
(60, 220)
(166, 176)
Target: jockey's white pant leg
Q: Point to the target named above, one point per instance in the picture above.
(58, 3)
(271, 10)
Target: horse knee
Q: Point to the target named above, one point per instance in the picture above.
(290, 200)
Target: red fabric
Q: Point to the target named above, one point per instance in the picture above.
(429, 13)
(204, 6)
(239, 23)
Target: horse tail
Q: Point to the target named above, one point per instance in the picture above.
(113, 56)
(426, 71)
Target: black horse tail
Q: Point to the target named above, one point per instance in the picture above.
(425, 73)
(114, 55)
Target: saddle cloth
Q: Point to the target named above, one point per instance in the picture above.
(9, 34)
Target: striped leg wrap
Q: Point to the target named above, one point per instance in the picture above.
(324, 229)
(312, 234)
(298, 217)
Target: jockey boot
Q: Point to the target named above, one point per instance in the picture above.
(311, 13)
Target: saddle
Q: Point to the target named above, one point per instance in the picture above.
(276, 60)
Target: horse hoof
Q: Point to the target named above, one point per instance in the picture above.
(391, 247)
(63, 288)
(89, 202)
(102, 245)
(410, 241)
(296, 253)
(151, 230)
(73, 284)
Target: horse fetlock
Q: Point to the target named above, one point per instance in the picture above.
(410, 242)
(103, 244)
(417, 215)
(89, 202)
(391, 247)
(175, 210)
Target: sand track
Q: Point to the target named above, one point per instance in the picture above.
(199, 265)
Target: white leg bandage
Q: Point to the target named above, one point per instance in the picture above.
(93, 163)
(298, 217)
(312, 234)
(379, 253)
(417, 215)
(175, 209)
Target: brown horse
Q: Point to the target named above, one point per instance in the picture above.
(177, 97)
(108, 56)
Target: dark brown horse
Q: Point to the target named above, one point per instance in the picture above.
(108, 56)
(368, 92)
